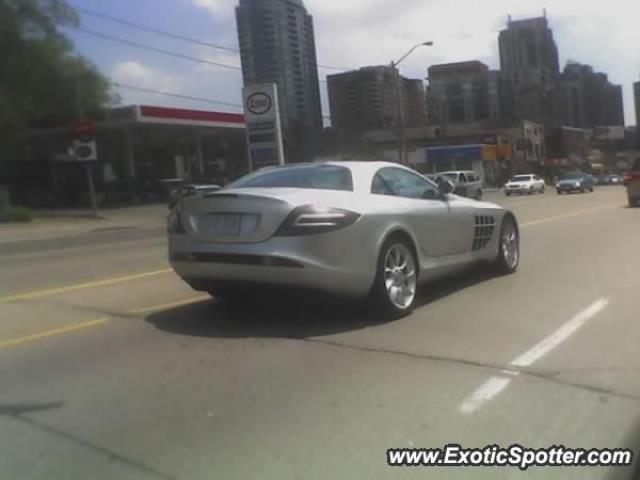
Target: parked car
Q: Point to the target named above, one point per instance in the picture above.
(602, 179)
(521, 184)
(574, 182)
(466, 183)
(355, 229)
(632, 182)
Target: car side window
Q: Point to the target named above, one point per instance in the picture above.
(379, 186)
(462, 178)
(471, 177)
(403, 183)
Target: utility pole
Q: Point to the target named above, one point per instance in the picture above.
(402, 140)
(87, 164)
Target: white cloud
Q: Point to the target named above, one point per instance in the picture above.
(361, 32)
(218, 8)
(198, 80)
(138, 74)
(353, 33)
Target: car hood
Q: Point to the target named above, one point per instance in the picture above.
(477, 203)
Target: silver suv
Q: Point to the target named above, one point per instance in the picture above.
(467, 183)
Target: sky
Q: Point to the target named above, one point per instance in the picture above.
(349, 34)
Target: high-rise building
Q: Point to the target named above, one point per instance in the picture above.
(463, 92)
(529, 60)
(589, 100)
(277, 45)
(366, 99)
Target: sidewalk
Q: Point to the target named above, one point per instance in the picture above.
(67, 222)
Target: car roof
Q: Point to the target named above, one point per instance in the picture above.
(362, 171)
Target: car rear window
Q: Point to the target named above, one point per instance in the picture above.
(321, 177)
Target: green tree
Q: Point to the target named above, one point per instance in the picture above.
(42, 79)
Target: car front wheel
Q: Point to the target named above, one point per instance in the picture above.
(509, 247)
(394, 289)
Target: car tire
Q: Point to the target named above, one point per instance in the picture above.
(479, 195)
(395, 288)
(508, 257)
(542, 190)
(507, 194)
(559, 192)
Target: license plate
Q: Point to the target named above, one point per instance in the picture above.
(223, 224)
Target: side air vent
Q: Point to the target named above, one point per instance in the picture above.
(485, 227)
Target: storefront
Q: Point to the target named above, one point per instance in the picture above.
(138, 147)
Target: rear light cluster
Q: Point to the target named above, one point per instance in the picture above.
(309, 220)
(634, 176)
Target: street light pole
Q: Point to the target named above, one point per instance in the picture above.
(402, 140)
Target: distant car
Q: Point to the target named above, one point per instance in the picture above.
(466, 183)
(602, 179)
(521, 184)
(190, 189)
(632, 182)
(574, 182)
(615, 180)
(352, 229)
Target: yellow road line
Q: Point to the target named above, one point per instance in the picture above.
(94, 323)
(165, 306)
(81, 286)
(51, 333)
(567, 215)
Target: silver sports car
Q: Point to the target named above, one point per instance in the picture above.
(348, 228)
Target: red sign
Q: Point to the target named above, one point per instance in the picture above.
(83, 128)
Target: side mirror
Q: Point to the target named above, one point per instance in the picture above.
(445, 187)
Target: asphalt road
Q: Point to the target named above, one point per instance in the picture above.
(111, 368)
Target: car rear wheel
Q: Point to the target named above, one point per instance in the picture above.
(509, 247)
(394, 289)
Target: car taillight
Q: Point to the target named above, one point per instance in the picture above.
(631, 176)
(174, 223)
(309, 220)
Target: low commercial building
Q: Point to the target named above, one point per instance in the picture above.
(138, 146)
(495, 150)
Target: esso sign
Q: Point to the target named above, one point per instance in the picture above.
(259, 103)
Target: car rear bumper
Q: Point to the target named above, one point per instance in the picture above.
(569, 188)
(307, 262)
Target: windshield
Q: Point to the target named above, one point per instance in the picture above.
(521, 178)
(573, 176)
(322, 177)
